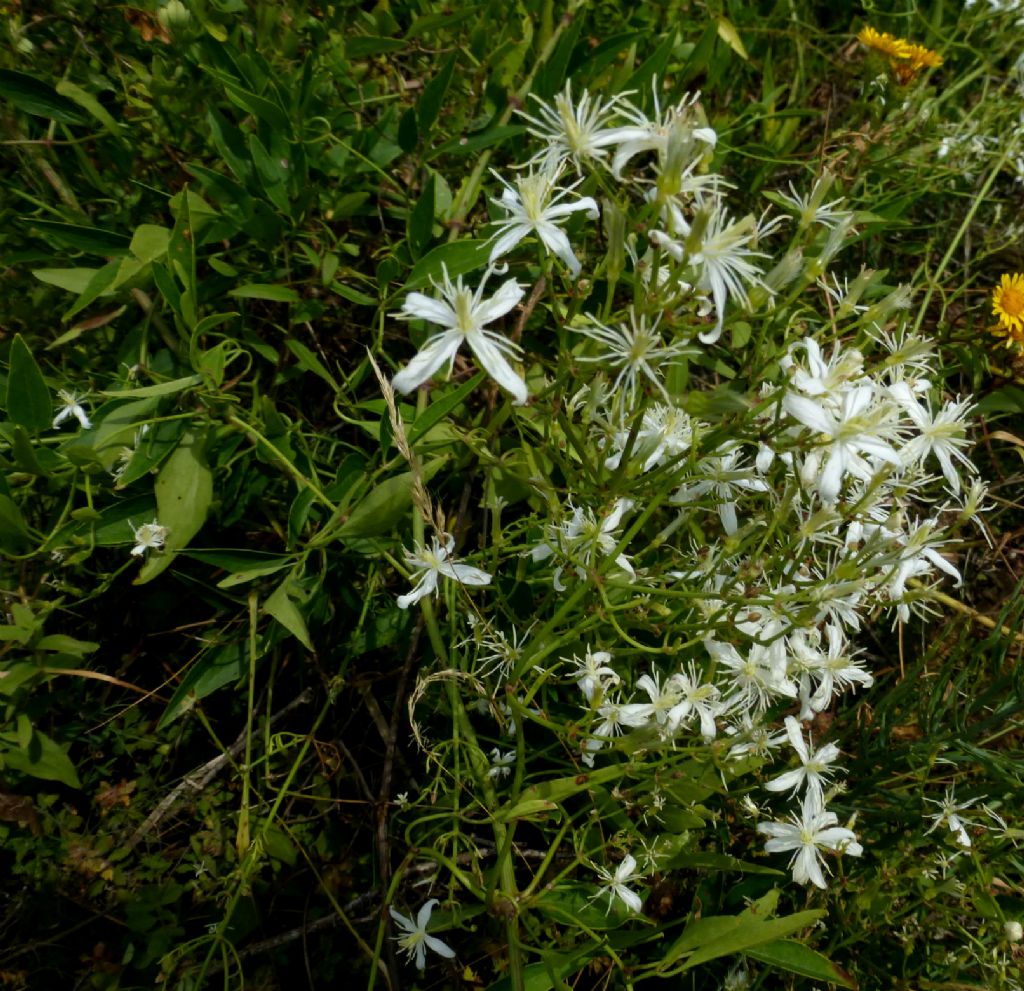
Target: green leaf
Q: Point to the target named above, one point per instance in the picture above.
(38, 98)
(282, 607)
(262, 109)
(228, 140)
(221, 665)
(432, 99)
(408, 133)
(13, 531)
(62, 644)
(653, 66)
(728, 33)
(309, 362)
(43, 758)
(385, 506)
(458, 257)
(151, 451)
(257, 290)
(74, 280)
(440, 408)
(150, 242)
(789, 955)
(479, 141)
(420, 224)
(29, 403)
(272, 175)
(102, 282)
(362, 46)
(184, 491)
(90, 239)
(159, 389)
(90, 104)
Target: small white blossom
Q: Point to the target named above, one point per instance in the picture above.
(815, 830)
(533, 207)
(415, 939)
(431, 563)
(815, 766)
(71, 408)
(615, 884)
(149, 536)
(501, 763)
(950, 815)
(463, 313)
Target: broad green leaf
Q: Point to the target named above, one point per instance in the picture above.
(262, 109)
(184, 491)
(559, 789)
(62, 644)
(159, 389)
(434, 92)
(256, 290)
(420, 223)
(385, 506)
(309, 362)
(728, 33)
(457, 257)
(272, 175)
(102, 282)
(38, 98)
(89, 239)
(28, 398)
(789, 955)
(90, 104)
(42, 758)
(440, 408)
(72, 279)
(13, 531)
(282, 607)
(151, 451)
(362, 46)
(150, 242)
(221, 665)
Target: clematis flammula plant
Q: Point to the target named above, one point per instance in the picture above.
(614, 884)
(533, 207)
(149, 536)
(415, 939)
(815, 766)
(71, 408)
(463, 314)
(433, 562)
(815, 830)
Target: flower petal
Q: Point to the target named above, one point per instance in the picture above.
(438, 351)
(497, 367)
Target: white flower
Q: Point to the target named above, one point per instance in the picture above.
(634, 349)
(816, 766)
(431, 563)
(941, 434)
(754, 679)
(723, 259)
(721, 476)
(615, 884)
(415, 939)
(533, 207)
(149, 536)
(501, 763)
(645, 133)
(463, 314)
(576, 132)
(580, 536)
(949, 814)
(807, 836)
(812, 209)
(857, 428)
(696, 698)
(71, 408)
(593, 675)
(665, 433)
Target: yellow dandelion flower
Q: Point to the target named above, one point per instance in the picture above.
(906, 59)
(882, 41)
(1008, 306)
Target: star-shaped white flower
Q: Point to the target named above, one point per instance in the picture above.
(149, 536)
(815, 830)
(614, 884)
(815, 766)
(429, 564)
(464, 314)
(533, 207)
(71, 407)
(415, 939)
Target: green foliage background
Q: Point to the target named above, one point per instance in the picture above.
(208, 215)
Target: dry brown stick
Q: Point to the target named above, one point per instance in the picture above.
(203, 775)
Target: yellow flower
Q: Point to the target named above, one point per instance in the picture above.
(906, 59)
(884, 42)
(1008, 305)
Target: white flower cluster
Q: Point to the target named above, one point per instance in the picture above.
(829, 497)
